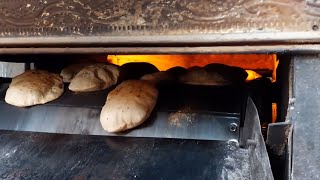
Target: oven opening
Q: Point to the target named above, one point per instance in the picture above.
(256, 65)
(217, 113)
(267, 74)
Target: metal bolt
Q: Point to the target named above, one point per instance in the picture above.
(315, 27)
(233, 127)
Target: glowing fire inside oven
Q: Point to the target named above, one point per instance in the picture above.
(254, 64)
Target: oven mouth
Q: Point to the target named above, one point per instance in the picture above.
(254, 64)
(221, 110)
(261, 69)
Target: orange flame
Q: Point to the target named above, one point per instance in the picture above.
(252, 75)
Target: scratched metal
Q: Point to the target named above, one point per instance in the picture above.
(25, 155)
(304, 105)
(20, 18)
(46, 156)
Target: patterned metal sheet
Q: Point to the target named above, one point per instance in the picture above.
(39, 18)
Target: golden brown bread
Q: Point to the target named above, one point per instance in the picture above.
(69, 72)
(128, 105)
(95, 77)
(34, 87)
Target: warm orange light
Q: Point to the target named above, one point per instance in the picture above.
(252, 75)
(274, 112)
(274, 72)
(257, 62)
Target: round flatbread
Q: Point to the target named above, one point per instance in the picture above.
(69, 72)
(214, 75)
(170, 75)
(135, 70)
(177, 71)
(231, 73)
(95, 77)
(157, 77)
(128, 105)
(34, 87)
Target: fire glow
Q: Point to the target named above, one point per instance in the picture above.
(254, 64)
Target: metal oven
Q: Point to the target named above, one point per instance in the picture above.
(265, 128)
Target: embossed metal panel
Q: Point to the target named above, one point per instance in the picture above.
(113, 18)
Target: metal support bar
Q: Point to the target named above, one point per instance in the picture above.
(304, 114)
(297, 49)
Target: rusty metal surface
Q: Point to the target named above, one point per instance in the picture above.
(158, 18)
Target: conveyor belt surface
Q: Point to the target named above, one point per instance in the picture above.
(186, 112)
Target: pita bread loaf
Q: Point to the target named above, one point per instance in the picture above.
(128, 105)
(202, 77)
(69, 72)
(213, 75)
(177, 71)
(233, 74)
(170, 75)
(158, 77)
(34, 87)
(135, 70)
(95, 77)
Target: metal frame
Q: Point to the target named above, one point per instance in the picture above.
(303, 112)
(187, 39)
(296, 49)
